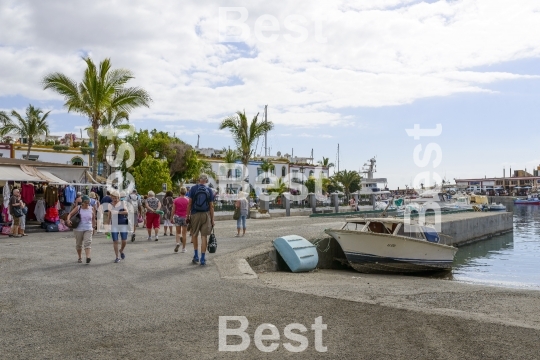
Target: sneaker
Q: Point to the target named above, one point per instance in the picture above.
(117, 260)
(132, 237)
(79, 261)
(176, 247)
(195, 260)
(184, 250)
(156, 239)
(122, 256)
(203, 262)
(88, 260)
(149, 238)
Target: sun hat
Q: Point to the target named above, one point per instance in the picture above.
(92, 195)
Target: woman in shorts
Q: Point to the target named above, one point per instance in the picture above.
(119, 225)
(178, 218)
(167, 209)
(83, 232)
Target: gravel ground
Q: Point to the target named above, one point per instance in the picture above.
(157, 305)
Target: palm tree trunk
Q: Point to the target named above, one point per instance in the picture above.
(95, 152)
(29, 148)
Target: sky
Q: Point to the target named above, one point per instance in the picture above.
(357, 74)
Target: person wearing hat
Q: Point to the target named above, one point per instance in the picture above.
(135, 199)
(83, 232)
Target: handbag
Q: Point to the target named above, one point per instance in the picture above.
(52, 228)
(25, 210)
(75, 220)
(6, 230)
(17, 211)
(236, 214)
(212, 243)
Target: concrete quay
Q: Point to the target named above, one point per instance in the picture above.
(157, 305)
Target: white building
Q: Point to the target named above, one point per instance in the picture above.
(71, 156)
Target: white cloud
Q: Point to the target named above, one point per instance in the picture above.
(377, 53)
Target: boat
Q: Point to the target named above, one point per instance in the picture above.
(392, 245)
(496, 207)
(529, 201)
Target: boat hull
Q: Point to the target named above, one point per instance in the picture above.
(381, 253)
(526, 202)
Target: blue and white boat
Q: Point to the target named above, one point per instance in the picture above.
(391, 245)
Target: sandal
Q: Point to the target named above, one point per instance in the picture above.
(80, 260)
(24, 234)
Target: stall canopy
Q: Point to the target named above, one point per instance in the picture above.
(51, 178)
(14, 173)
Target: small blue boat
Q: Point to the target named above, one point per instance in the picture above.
(299, 254)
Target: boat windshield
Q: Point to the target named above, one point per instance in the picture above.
(431, 234)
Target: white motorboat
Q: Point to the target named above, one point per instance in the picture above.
(392, 245)
(496, 207)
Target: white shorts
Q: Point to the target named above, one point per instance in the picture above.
(167, 222)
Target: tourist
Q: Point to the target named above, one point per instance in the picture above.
(243, 205)
(83, 232)
(119, 222)
(14, 202)
(178, 217)
(153, 219)
(22, 225)
(78, 200)
(94, 203)
(135, 200)
(201, 216)
(105, 202)
(167, 210)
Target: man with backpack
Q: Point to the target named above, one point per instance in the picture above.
(200, 212)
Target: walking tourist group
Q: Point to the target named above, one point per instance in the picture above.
(191, 212)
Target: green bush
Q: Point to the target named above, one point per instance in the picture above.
(60, 147)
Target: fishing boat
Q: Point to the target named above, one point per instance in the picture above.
(391, 245)
(528, 201)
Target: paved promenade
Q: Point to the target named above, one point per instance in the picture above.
(156, 305)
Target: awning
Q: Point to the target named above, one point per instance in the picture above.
(51, 178)
(14, 173)
(69, 174)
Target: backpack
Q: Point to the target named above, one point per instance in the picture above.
(134, 201)
(201, 199)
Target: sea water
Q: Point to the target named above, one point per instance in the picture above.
(509, 260)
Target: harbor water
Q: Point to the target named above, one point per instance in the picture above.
(509, 260)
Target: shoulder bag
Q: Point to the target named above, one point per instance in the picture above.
(17, 211)
(75, 220)
(236, 214)
(212, 242)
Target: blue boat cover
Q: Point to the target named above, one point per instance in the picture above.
(299, 254)
(431, 234)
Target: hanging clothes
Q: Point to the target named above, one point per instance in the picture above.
(27, 193)
(40, 210)
(51, 195)
(69, 195)
(7, 196)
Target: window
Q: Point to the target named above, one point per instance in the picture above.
(31, 157)
(77, 161)
(311, 173)
(283, 172)
(237, 173)
(259, 171)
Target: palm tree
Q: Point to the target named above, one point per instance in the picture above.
(244, 133)
(349, 180)
(102, 89)
(230, 155)
(267, 166)
(31, 126)
(279, 187)
(325, 162)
